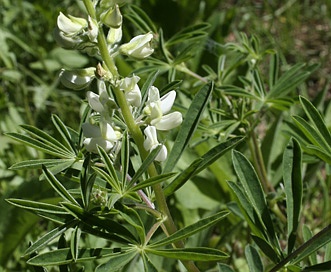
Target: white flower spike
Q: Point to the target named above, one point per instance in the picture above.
(151, 143)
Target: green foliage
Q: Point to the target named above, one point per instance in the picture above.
(107, 177)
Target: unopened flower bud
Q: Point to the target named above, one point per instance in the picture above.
(112, 17)
(77, 79)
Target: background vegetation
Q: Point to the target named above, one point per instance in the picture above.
(30, 92)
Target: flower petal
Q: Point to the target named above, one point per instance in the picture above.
(151, 138)
(167, 101)
(94, 101)
(168, 121)
(90, 131)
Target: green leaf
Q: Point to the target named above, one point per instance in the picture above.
(318, 267)
(74, 243)
(133, 218)
(224, 268)
(44, 147)
(253, 190)
(189, 125)
(49, 163)
(36, 206)
(182, 178)
(145, 164)
(291, 79)
(316, 118)
(117, 261)
(140, 19)
(118, 231)
(125, 157)
(191, 229)
(64, 132)
(266, 248)
(273, 69)
(253, 258)
(247, 209)
(216, 152)
(63, 256)
(293, 189)
(86, 182)
(311, 133)
(312, 245)
(110, 167)
(46, 138)
(308, 234)
(152, 181)
(189, 34)
(201, 254)
(48, 237)
(58, 187)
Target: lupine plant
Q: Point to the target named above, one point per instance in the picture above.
(147, 133)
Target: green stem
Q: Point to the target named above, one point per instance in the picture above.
(259, 163)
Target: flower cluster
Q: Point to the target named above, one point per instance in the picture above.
(155, 116)
(82, 34)
(101, 130)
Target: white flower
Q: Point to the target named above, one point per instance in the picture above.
(151, 143)
(71, 25)
(157, 110)
(103, 135)
(131, 90)
(139, 47)
(101, 102)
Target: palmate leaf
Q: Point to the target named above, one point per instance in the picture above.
(191, 229)
(201, 254)
(118, 232)
(189, 34)
(140, 19)
(291, 79)
(63, 256)
(189, 125)
(293, 189)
